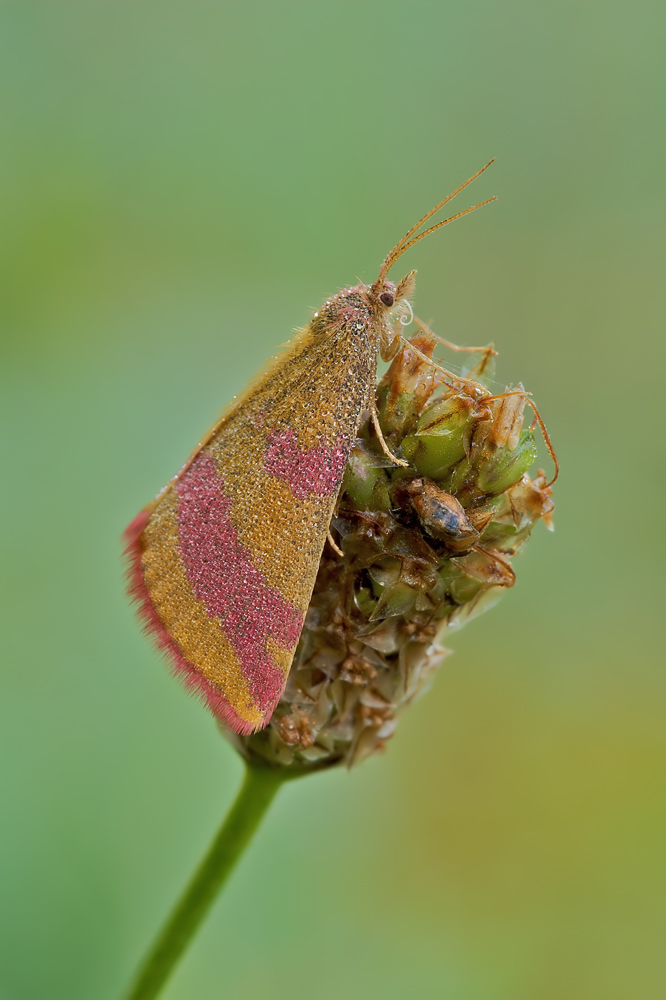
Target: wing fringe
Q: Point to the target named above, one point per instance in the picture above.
(192, 680)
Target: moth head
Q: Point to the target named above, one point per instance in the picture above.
(367, 308)
(390, 302)
(387, 295)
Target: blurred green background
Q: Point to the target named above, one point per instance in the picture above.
(181, 183)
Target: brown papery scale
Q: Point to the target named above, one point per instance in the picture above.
(420, 549)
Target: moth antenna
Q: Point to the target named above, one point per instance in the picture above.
(406, 240)
(400, 244)
(445, 222)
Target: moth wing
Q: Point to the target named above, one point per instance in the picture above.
(223, 563)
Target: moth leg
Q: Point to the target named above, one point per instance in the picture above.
(453, 381)
(391, 341)
(378, 431)
(488, 352)
(331, 541)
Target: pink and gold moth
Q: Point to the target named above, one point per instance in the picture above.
(223, 561)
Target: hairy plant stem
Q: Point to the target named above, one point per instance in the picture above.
(255, 796)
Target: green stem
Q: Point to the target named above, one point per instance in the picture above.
(254, 798)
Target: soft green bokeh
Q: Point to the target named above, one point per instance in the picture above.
(181, 183)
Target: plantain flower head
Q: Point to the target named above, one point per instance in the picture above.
(414, 552)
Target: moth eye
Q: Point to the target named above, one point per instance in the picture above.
(387, 298)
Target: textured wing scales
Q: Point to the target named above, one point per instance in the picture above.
(224, 562)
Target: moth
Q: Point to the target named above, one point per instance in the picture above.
(223, 561)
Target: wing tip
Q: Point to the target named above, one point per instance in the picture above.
(186, 673)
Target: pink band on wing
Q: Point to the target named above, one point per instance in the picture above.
(315, 470)
(192, 679)
(223, 577)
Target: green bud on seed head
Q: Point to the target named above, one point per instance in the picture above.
(505, 467)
